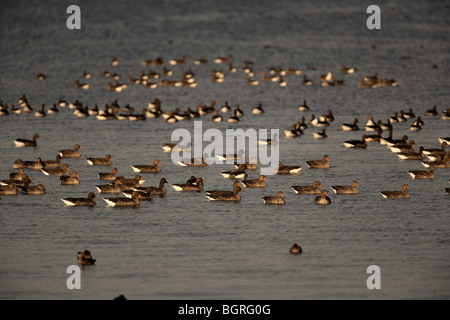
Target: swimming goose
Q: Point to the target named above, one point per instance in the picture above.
(71, 153)
(303, 107)
(323, 199)
(10, 189)
(374, 127)
(445, 114)
(72, 179)
(314, 189)
(437, 152)
(148, 168)
(370, 121)
(416, 126)
(410, 114)
(319, 164)
(14, 110)
(79, 85)
(108, 176)
(349, 70)
(234, 117)
(397, 194)
(196, 186)
(356, 143)
(19, 163)
(40, 113)
(40, 76)
(174, 62)
(216, 117)
(160, 190)
(27, 143)
(114, 61)
(403, 148)
(444, 163)
(225, 108)
(19, 176)
(239, 156)
(124, 201)
(110, 188)
(351, 126)
(351, 189)
(36, 190)
(75, 202)
(193, 162)
(34, 165)
(374, 137)
(269, 140)
(256, 183)
(226, 195)
(106, 161)
(403, 141)
(295, 249)
(294, 132)
(387, 125)
(130, 184)
(432, 112)
(258, 109)
(85, 258)
(53, 163)
(53, 109)
(286, 169)
(238, 173)
(252, 165)
(306, 81)
(420, 174)
(64, 170)
(411, 155)
(278, 199)
(401, 118)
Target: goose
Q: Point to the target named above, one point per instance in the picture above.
(193, 162)
(114, 61)
(10, 189)
(27, 109)
(404, 148)
(258, 109)
(295, 249)
(396, 142)
(72, 179)
(239, 112)
(314, 189)
(374, 137)
(278, 199)
(252, 165)
(216, 117)
(239, 156)
(85, 258)
(106, 161)
(251, 82)
(370, 121)
(226, 195)
(416, 126)
(176, 147)
(374, 127)
(397, 194)
(356, 143)
(174, 62)
(64, 170)
(293, 132)
(71, 153)
(34, 165)
(420, 174)
(225, 108)
(27, 143)
(53, 163)
(53, 109)
(108, 176)
(387, 125)
(445, 115)
(148, 168)
(14, 110)
(196, 186)
(306, 81)
(290, 70)
(437, 152)
(256, 183)
(303, 107)
(444, 163)
(40, 113)
(18, 164)
(394, 118)
(314, 121)
(319, 164)
(160, 190)
(36, 190)
(401, 118)
(19, 176)
(144, 195)
(323, 199)
(130, 184)
(411, 155)
(124, 201)
(79, 85)
(349, 70)
(432, 112)
(238, 173)
(201, 61)
(269, 140)
(76, 202)
(3, 111)
(286, 169)
(40, 76)
(219, 60)
(410, 114)
(350, 126)
(110, 188)
(234, 117)
(351, 189)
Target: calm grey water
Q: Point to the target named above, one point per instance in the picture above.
(182, 246)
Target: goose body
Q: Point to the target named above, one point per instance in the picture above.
(286, 169)
(71, 179)
(64, 170)
(67, 153)
(314, 189)
(106, 161)
(124, 201)
(351, 189)
(323, 199)
(226, 195)
(319, 164)
(295, 249)
(36, 190)
(160, 190)
(397, 194)
(356, 143)
(278, 199)
(420, 174)
(108, 176)
(85, 258)
(76, 202)
(147, 168)
(256, 183)
(110, 188)
(196, 186)
(53, 163)
(27, 143)
(350, 126)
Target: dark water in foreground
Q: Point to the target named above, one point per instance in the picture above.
(182, 246)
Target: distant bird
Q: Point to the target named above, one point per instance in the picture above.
(89, 201)
(40, 76)
(64, 170)
(397, 194)
(71, 153)
(226, 195)
(278, 199)
(110, 188)
(295, 249)
(148, 168)
(106, 161)
(160, 190)
(356, 143)
(314, 189)
(319, 164)
(109, 176)
(258, 109)
(195, 186)
(283, 169)
(420, 174)
(36, 190)
(432, 112)
(256, 183)
(320, 135)
(350, 126)
(85, 258)
(27, 143)
(40, 113)
(53, 163)
(71, 179)
(79, 85)
(124, 201)
(303, 107)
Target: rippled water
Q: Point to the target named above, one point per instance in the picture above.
(182, 246)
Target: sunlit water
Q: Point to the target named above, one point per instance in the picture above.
(183, 246)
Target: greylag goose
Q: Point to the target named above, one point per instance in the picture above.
(160, 190)
(34, 165)
(67, 153)
(397, 194)
(319, 164)
(89, 201)
(36, 190)
(19, 176)
(72, 179)
(411, 155)
(444, 163)
(432, 112)
(350, 126)
(64, 170)
(295, 249)
(356, 143)
(108, 176)
(320, 135)
(226, 195)
(303, 107)
(110, 188)
(27, 143)
(403, 148)
(10, 189)
(351, 189)
(106, 161)
(124, 201)
(278, 199)
(129, 184)
(193, 162)
(147, 168)
(256, 183)
(314, 189)
(196, 186)
(420, 174)
(238, 173)
(258, 109)
(85, 258)
(437, 152)
(323, 199)
(286, 169)
(53, 163)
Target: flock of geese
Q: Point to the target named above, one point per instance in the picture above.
(132, 188)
